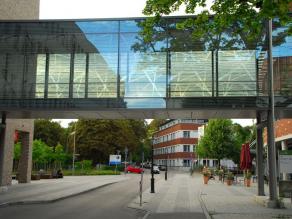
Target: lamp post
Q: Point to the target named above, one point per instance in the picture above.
(74, 150)
(152, 174)
(166, 167)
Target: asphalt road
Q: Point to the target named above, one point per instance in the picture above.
(109, 202)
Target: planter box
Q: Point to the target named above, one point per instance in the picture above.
(46, 176)
(35, 177)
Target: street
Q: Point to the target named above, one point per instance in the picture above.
(107, 202)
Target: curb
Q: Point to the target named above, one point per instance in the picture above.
(203, 206)
(5, 204)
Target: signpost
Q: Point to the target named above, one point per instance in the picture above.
(126, 154)
(285, 161)
(114, 159)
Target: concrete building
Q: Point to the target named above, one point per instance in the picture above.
(16, 10)
(283, 139)
(175, 143)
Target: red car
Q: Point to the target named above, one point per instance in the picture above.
(131, 169)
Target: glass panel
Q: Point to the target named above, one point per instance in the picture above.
(130, 26)
(102, 75)
(41, 68)
(98, 26)
(59, 75)
(191, 74)
(143, 74)
(40, 75)
(237, 73)
(79, 68)
(40, 91)
(132, 42)
(58, 90)
(78, 90)
(282, 54)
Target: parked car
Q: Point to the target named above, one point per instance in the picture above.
(147, 165)
(162, 167)
(156, 170)
(132, 169)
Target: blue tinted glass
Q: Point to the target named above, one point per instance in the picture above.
(130, 26)
(103, 43)
(142, 103)
(132, 42)
(98, 26)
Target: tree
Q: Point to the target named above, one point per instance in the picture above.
(223, 14)
(59, 155)
(97, 139)
(49, 132)
(218, 141)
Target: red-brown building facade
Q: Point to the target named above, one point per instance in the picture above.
(175, 142)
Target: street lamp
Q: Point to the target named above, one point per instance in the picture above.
(74, 148)
(152, 173)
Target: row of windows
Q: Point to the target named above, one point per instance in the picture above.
(175, 163)
(174, 149)
(175, 135)
(184, 121)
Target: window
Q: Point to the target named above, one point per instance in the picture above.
(186, 163)
(186, 148)
(186, 134)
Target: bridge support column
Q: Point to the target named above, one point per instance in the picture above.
(25, 127)
(6, 153)
(260, 157)
(25, 162)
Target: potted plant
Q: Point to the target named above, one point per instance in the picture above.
(220, 174)
(230, 178)
(247, 178)
(206, 174)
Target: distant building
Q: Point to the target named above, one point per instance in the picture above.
(176, 141)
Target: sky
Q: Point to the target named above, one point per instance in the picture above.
(79, 9)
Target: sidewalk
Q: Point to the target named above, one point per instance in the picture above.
(179, 194)
(50, 190)
(183, 194)
(237, 201)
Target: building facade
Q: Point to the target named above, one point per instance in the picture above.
(175, 143)
(16, 10)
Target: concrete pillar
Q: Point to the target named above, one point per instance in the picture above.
(260, 157)
(25, 127)
(25, 162)
(273, 193)
(6, 155)
(284, 147)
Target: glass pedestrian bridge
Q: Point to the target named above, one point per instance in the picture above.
(104, 69)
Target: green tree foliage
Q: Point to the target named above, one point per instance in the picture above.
(17, 151)
(96, 139)
(222, 139)
(59, 155)
(224, 14)
(43, 156)
(218, 141)
(154, 126)
(49, 132)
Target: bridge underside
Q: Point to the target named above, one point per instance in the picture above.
(145, 108)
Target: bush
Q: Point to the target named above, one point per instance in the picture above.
(84, 165)
(113, 168)
(91, 172)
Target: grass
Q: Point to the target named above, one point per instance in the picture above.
(91, 172)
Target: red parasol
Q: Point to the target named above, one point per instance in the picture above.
(245, 159)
